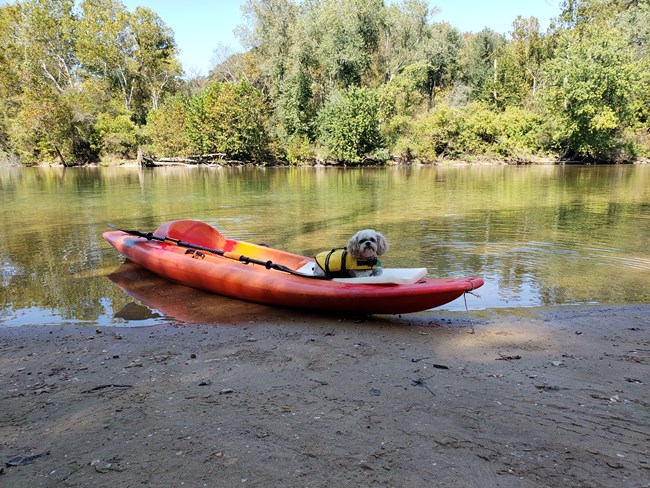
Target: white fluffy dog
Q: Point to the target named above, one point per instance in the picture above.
(359, 258)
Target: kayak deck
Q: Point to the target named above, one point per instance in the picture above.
(389, 276)
(399, 291)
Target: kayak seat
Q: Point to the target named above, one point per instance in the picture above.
(194, 232)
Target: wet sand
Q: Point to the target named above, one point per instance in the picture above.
(267, 397)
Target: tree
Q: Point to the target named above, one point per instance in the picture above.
(578, 14)
(294, 109)
(440, 62)
(155, 53)
(528, 52)
(166, 128)
(433, 134)
(345, 35)
(275, 44)
(9, 72)
(47, 33)
(106, 46)
(233, 67)
(40, 77)
(135, 52)
(230, 119)
(634, 23)
(481, 64)
(42, 129)
(348, 125)
(406, 31)
(269, 35)
(517, 67)
(590, 85)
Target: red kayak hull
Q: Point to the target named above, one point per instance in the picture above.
(256, 283)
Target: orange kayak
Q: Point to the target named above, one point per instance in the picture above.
(195, 254)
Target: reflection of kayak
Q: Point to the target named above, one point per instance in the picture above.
(182, 304)
(180, 251)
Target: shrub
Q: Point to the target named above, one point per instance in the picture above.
(231, 119)
(519, 133)
(165, 129)
(348, 124)
(117, 134)
(432, 135)
(299, 150)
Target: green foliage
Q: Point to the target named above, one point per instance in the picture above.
(83, 79)
(42, 131)
(634, 24)
(589, 94)
(440, 60)
(135, 52)
(434, 134)
(578, 14)
(348, 125)
(519, 134)
(299, 150)
(117, 135)
(406, 30)
(158, 70)
(478, 63)
(346, 35)
(63, 67)
(230, 119)
(479, 132)
(165, 128)
(403, 95)
(473, 132)
(294, 110)
(270, 36)
(517, 67)
(396, 133)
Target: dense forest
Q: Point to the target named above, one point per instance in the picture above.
(350, 81)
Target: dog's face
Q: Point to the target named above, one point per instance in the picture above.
(367, 244)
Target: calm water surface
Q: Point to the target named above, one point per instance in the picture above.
(540, 235)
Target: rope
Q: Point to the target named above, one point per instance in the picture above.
(467, 309)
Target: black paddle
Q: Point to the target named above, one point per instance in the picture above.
(237, 257)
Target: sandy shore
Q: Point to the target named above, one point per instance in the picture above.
(278, 398)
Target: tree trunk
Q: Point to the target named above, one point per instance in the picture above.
(494, 83)
(58, 152)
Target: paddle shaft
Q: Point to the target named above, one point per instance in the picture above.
(229, 255)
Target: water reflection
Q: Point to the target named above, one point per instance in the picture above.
(155, 295)
(538, 235)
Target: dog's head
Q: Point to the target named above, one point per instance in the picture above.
(367, 244)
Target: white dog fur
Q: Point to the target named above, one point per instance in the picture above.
(364, 245)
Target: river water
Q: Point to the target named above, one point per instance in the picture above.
(538, 235)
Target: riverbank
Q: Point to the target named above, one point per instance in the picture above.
(519, 398)
(199, 162)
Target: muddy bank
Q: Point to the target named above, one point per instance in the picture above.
(531, 398)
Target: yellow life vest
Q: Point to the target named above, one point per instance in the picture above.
(337, 262)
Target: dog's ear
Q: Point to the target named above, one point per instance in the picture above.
(382, 244)
(353, 246)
